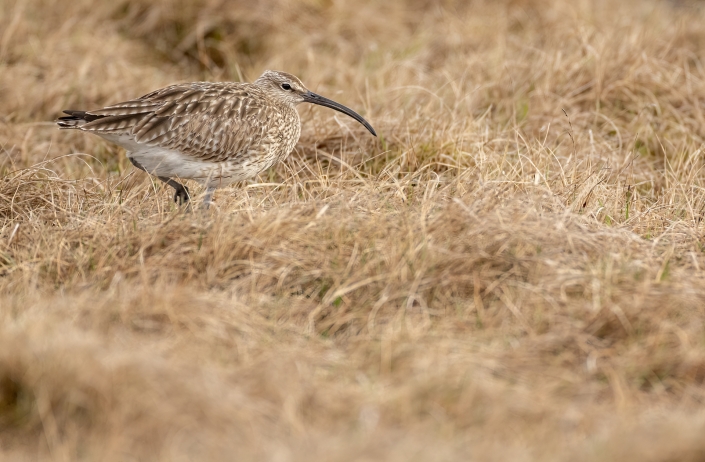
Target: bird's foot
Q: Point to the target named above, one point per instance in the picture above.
(181, 195)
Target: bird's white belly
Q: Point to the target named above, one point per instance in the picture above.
(174, 164)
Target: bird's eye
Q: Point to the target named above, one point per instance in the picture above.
(286, 86)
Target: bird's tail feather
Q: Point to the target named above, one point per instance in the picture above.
(75, 119)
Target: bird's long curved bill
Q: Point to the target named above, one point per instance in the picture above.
(311, 97)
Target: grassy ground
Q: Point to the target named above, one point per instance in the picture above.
(513, 270)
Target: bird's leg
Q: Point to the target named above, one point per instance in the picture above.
(181, 196)
(207, 199)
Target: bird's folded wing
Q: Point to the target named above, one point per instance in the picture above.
(208, 121)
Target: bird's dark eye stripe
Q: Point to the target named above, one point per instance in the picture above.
(286, 86)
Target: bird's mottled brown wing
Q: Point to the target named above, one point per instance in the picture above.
(209, 121)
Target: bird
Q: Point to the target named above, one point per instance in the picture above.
(215, 133)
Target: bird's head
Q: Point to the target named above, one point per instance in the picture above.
(289, 89)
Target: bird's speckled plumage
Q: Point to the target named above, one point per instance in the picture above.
(214, 133)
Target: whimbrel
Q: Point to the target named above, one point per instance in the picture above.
(214, 133)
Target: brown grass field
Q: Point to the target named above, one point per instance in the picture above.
(513, 270)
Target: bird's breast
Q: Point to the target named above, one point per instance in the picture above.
(289, 133)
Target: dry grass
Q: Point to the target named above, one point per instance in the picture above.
(513, 270)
